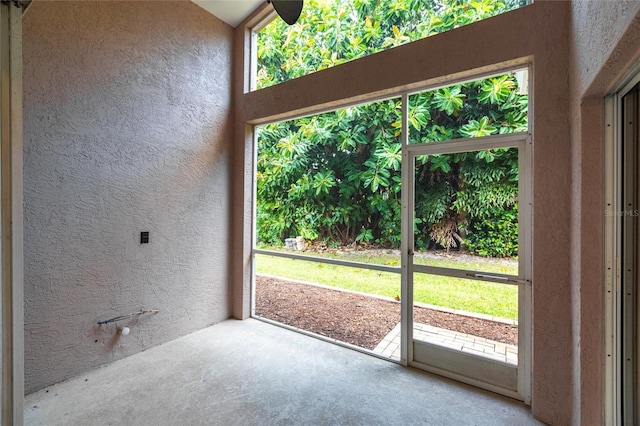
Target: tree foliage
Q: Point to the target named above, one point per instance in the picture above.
(336, 176)
(331, 32)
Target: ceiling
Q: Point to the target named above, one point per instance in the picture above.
(230, 11)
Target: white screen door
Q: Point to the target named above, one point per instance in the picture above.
(496, 363)
(628, 214)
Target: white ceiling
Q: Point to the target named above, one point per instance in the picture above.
(230, 11)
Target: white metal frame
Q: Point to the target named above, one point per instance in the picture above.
(253, 48)
(254, 221)
(406, 245)
(613, 250)
(329, 261)
(409, 151)
(612, 271)
(522, 141)
(11, 215)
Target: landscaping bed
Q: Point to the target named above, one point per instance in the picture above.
(357, 319)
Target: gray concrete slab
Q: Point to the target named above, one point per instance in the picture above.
(253, 373)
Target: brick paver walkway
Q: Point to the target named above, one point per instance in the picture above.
(390, 345)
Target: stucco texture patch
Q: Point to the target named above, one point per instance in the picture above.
(126, 129)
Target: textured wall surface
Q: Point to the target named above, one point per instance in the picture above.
(597, 29)
(127, 128)
(605, 42)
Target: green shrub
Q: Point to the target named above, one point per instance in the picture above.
(497, 236)
(336, 176)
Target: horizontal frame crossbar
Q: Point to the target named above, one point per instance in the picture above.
(361, 265)
(451, 146)
(423, 269)
(472, 275)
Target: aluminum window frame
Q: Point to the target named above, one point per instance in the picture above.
(613, 249)
(525, 247)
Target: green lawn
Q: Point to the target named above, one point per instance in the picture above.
(499, 300)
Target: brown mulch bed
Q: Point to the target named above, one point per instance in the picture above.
(359, 320)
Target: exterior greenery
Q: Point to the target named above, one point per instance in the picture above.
(331, 32)
(336, 176)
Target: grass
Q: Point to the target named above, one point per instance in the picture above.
(392, 258)
(498, 300)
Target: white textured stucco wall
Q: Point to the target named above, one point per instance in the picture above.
(597, 29)
(127, 128)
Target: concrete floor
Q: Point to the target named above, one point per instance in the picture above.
(253, 373)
